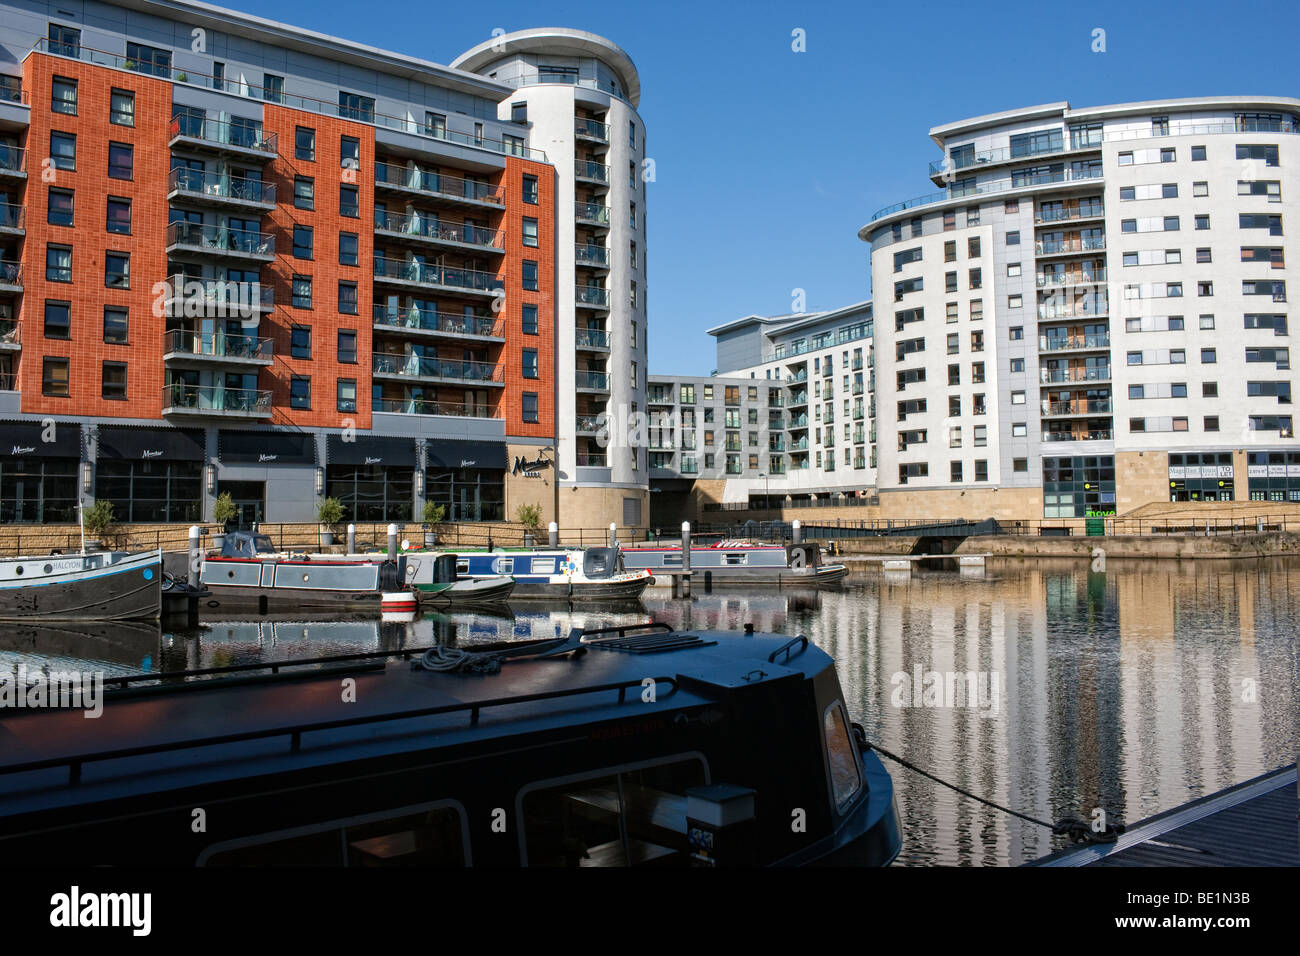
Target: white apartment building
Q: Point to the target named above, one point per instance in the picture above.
(1092, 314)
(578, 93)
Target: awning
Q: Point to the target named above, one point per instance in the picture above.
(266, 448)
(465, 454)
(370, 450)
(37, 440)
(151, 444)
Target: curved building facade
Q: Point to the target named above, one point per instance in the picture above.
(577, 93)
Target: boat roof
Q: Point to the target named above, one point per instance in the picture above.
(158, 738)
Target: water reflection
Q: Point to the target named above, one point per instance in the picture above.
(1135, 690)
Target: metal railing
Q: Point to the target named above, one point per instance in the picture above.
(587, 423)
(423, 366)
(1091, 210)
(429, 320)
(215, 399)
(589, 169)
(422, 406)
(10, 332)
(1081, 374)
(590, 255)
(13, 159)
(196, 182)
(1051, 247)
(413, 270)
(1089, 308)
(591, 295)
(242, 134)
(426, 227)
(218, 345)
(12, 216)
(437, 185)
(597, 380)
(1096, 406)
(1091, 277)
(592, 460)
(984, 189)
(11, 273)
(591, 212)
(592, 339)
(1092, 434)
(220, 238)
(591, 129)
(1099, 340)
(216, 297)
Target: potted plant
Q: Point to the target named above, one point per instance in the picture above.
(182, 78)
(433, 515)
(530, 516)
(224, 512)
(97, 519)
(328, 513)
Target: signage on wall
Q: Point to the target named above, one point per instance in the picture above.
(529, 469)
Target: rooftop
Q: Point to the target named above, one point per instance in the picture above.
(556, 41)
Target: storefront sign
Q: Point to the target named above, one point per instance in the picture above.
(266, 448)
(151, 444)
(47, 439)
(530, 469)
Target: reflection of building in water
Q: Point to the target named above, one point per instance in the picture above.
(730, 610)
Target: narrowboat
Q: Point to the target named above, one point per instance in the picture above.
(98, 586)
(740, 562)
(554, 574)
(250, 574)
(635, 745)
(442, 587)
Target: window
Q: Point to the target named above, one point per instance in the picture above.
(1017, 365)
(1017, 333)
(530, 189)
(530, 320)
(357, 107)
(981, 470)
(350, 152)
(304, 192)
(121, 160)
(528, 407)
(60, 207)
(147, 59)
(1015, 302)
(302, 292)
(116, 325)
(65, 41)
(272, 88)
(121, 108)
(58, 320)
(954, 468)
(949, 282)
(1205, 288)
(58, 264)
(348, 298)
(63, 96)
(953, 344)
(304, 143)
(530, 275)
(302, 242)
(976, 278)
(348, 249)
(347, 346)
(1207, 321)
(1018, 398)
(1198, 154)
(1200, 189)
(113, 381)
(1203, 254)
(1203, 221)
(530, 232)
(54, 377)
(346, 394)
(63, 150)
(435, 124)
(1268, 153)
(981, 436)
(949, 251)
(1208, 356)
(119, 215)
(1013, 238)
(973, 247)
(349, 202)
(954, 406)
(300, 342)
(1211, 423)
(530, 363)
(300, 392)
(218, 76)
(117, 270)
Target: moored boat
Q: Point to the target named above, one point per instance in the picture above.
(739, 562)
(446, 589)
(544, 574)
(99, 586)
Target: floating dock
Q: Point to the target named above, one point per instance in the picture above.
(1252, 824)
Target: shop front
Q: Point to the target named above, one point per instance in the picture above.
(39, 463)
(269, 475)
(151, 475)
(467, 478)
(1273, 475)
(373, 477)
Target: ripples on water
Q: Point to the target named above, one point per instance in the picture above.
(1129, 690)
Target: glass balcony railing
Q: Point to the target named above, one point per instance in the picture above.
(801, 398)
(590, 255)
(12, 216)
(215, 399)
(596, 380)
(1052, 343)
(423, 406)
(423, 366)
(1092, 434)
(592, 339)
(217, 345)
(426, 227)
(429, 320)
(11, 274)
(800, 445)
(590, 170)
(217, 298)
(415, 270)
(1096, 406)
(591, 295)
(436, 184)
(221, 238)
(1092, 210)
(987, 157)
(592, 460)
(12, 159)
(587, 423)
(591, 212)
(1090, 307)
(1053, 247)
(1080, 374)
(590, 129)
(798, 421)
(196, 182)
(245, 134)
(1059, 279)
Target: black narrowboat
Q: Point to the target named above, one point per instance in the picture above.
(637, 745)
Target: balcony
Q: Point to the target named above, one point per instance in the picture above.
(1093, 210)
(432, 231)
(421, 406)
(1089, 307)
(798, 423)
(11, 277)
(799, 445)
(595, 257)
(1067, 247)
(591, 297)
(216, 298)
(1096, 406)
(1091, 434)
(588, 171)
(960, 191)
(587, 424)
(13, 219)
(410, 180)
(10, 336)
(184, 347)
(591, 214)
(416, 273)
(221, 189)
(1100, 340)
(442, 370)
(591, 131)
(592, 460)
(798, 400)
(196, 238)
(793, 380)
(656, 397)
(216, 401)
(596, 340)
(244, 138)
(1061, 280)
(414, 319)
(591, 381)
(941, 168)
(1053, 376)
(13, 162)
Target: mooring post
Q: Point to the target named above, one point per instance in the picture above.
(553, 534)
(796, 531)
(196, 558)
(686, 558)
(352, 539)
(392, 542)
(613, 535)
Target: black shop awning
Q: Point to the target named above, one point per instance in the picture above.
(37, 440)
(465, 454)
(151, 444)
(371, 450)
(266, 448)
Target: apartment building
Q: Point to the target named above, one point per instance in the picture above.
(787, 421)
(1092, 313)
(238, 256)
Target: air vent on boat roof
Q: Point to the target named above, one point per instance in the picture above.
(650, 643)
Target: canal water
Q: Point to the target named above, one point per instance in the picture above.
(1051, 689)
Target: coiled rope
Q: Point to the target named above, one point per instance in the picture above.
(1078, 830)
(457, 659)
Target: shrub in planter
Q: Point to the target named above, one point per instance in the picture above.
(329, 512)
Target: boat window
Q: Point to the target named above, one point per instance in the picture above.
(462, 566)
(596, 562)
(504, 565)
(620, 817)
(426, 835)
(543, 566)
(846, 777)
(734, 559)
(672, 559)
(263, 544)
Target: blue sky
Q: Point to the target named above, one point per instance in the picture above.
(768, 161)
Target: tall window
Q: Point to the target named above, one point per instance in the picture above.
(121, 160)
(530, 320)
(148, 59)
(357, 107)
(63, 150)
(530, 232)
(65, 41)
(113, 379)
(530, 275)
(530, 189)
(530, 363)
(54, 377)
(273, 88)
(63, 96)
(300, 392)
(347, 346)
(119, 215)
(60, 207)
(121, 108)
(529, 407)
